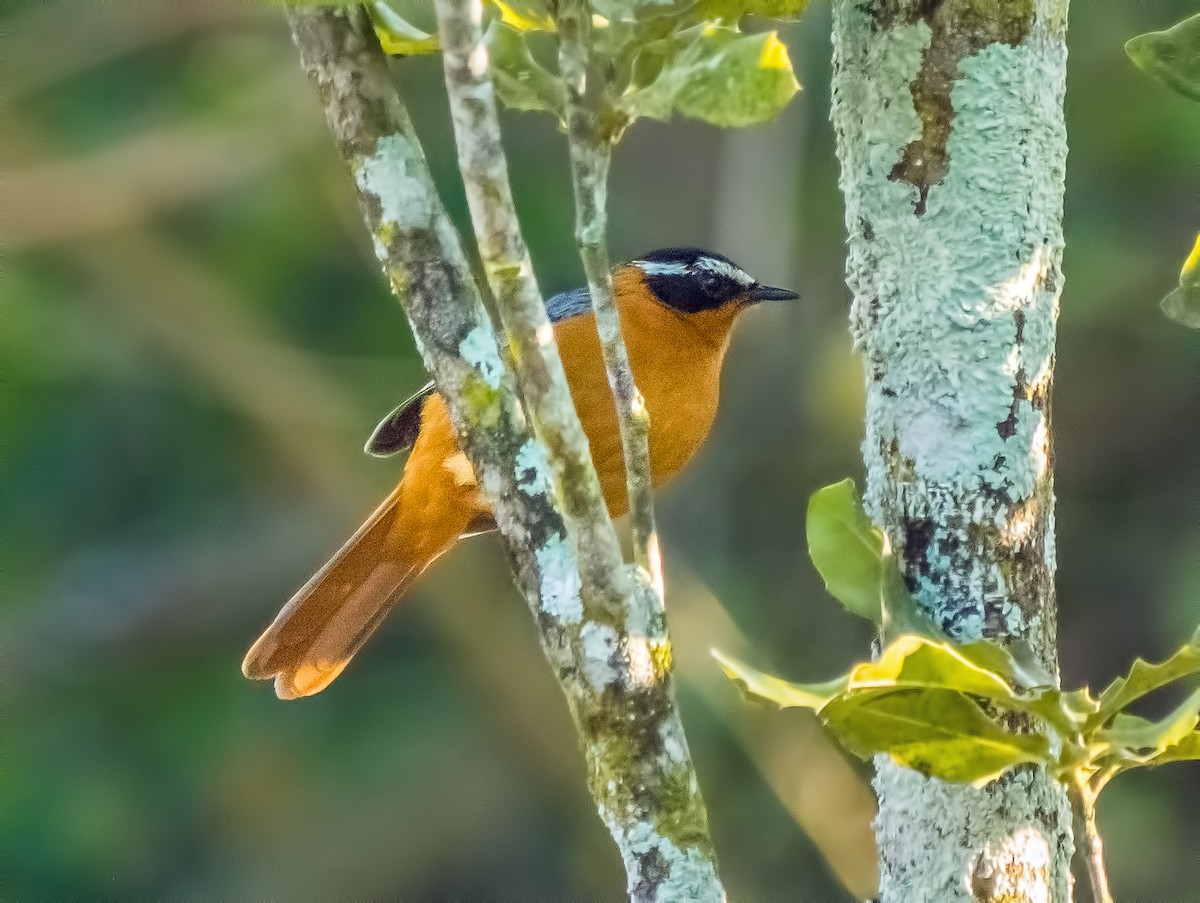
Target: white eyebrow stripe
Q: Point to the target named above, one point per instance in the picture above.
(651, 268)
(721, 268)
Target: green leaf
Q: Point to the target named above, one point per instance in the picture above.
(909, 662)
(937, 732)
(912, 704)
(524, 15)
(719, 76)
(630, 10)
(1171, 57)
(1134, 733)
(1187, 749)
(916, 662)
(1183, 304)
(521, 82)
(397, 36)
(1080, 704)
(1017, 663)
(732, 10)
(855, 560)
(781, 692)
(1067, 713)
(1145, 677)
(846, 548)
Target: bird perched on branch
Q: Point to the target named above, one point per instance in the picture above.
(677, 307)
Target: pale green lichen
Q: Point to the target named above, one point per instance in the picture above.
(558, 564)
(662, 828)
(534, 473)
(674, 745)
(957, 29)
(941, 400)
(478, 348)
(395, 176)
(678, 874)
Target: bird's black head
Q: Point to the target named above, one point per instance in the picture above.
(691, 280)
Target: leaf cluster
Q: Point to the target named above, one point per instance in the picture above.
(966, 712)
(656, 57)
(1172, 58)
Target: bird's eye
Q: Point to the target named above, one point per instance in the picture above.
(710, 284)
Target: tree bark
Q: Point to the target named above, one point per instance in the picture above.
(601, 627)
(950, 133)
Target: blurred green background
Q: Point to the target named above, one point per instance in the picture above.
(197, 341)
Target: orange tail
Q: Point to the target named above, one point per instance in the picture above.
(316, 634)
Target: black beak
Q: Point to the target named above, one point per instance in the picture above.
(770, 293)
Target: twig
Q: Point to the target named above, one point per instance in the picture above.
(590, 138)
(509, 270)
(1093, 846)
(605, 638)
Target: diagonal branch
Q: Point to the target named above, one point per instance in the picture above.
(591, 135)
(600, 627)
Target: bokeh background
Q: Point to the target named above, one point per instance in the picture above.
(196, 342)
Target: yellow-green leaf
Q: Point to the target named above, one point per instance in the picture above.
(629, 10)
(916, 662)
(524, 15)
(910, 662)
(1171, 57)
(1183, 304)
(397, 36)
(1187, 749)
(1017, 662)
(1145, 677)
(779, 691)
(1134, 733)
(1067, 713)
(733, 10)
(720, 76)
(937, 732)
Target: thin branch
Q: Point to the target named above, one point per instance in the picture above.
(1093, 845)
(599, 626)
(590, 136)
(509, 270)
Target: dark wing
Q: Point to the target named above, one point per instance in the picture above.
(398, 430)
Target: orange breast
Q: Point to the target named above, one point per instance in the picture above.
(676, 362)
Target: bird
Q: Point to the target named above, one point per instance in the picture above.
(677, 307)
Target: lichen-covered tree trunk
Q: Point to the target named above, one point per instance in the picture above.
(950, 132)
